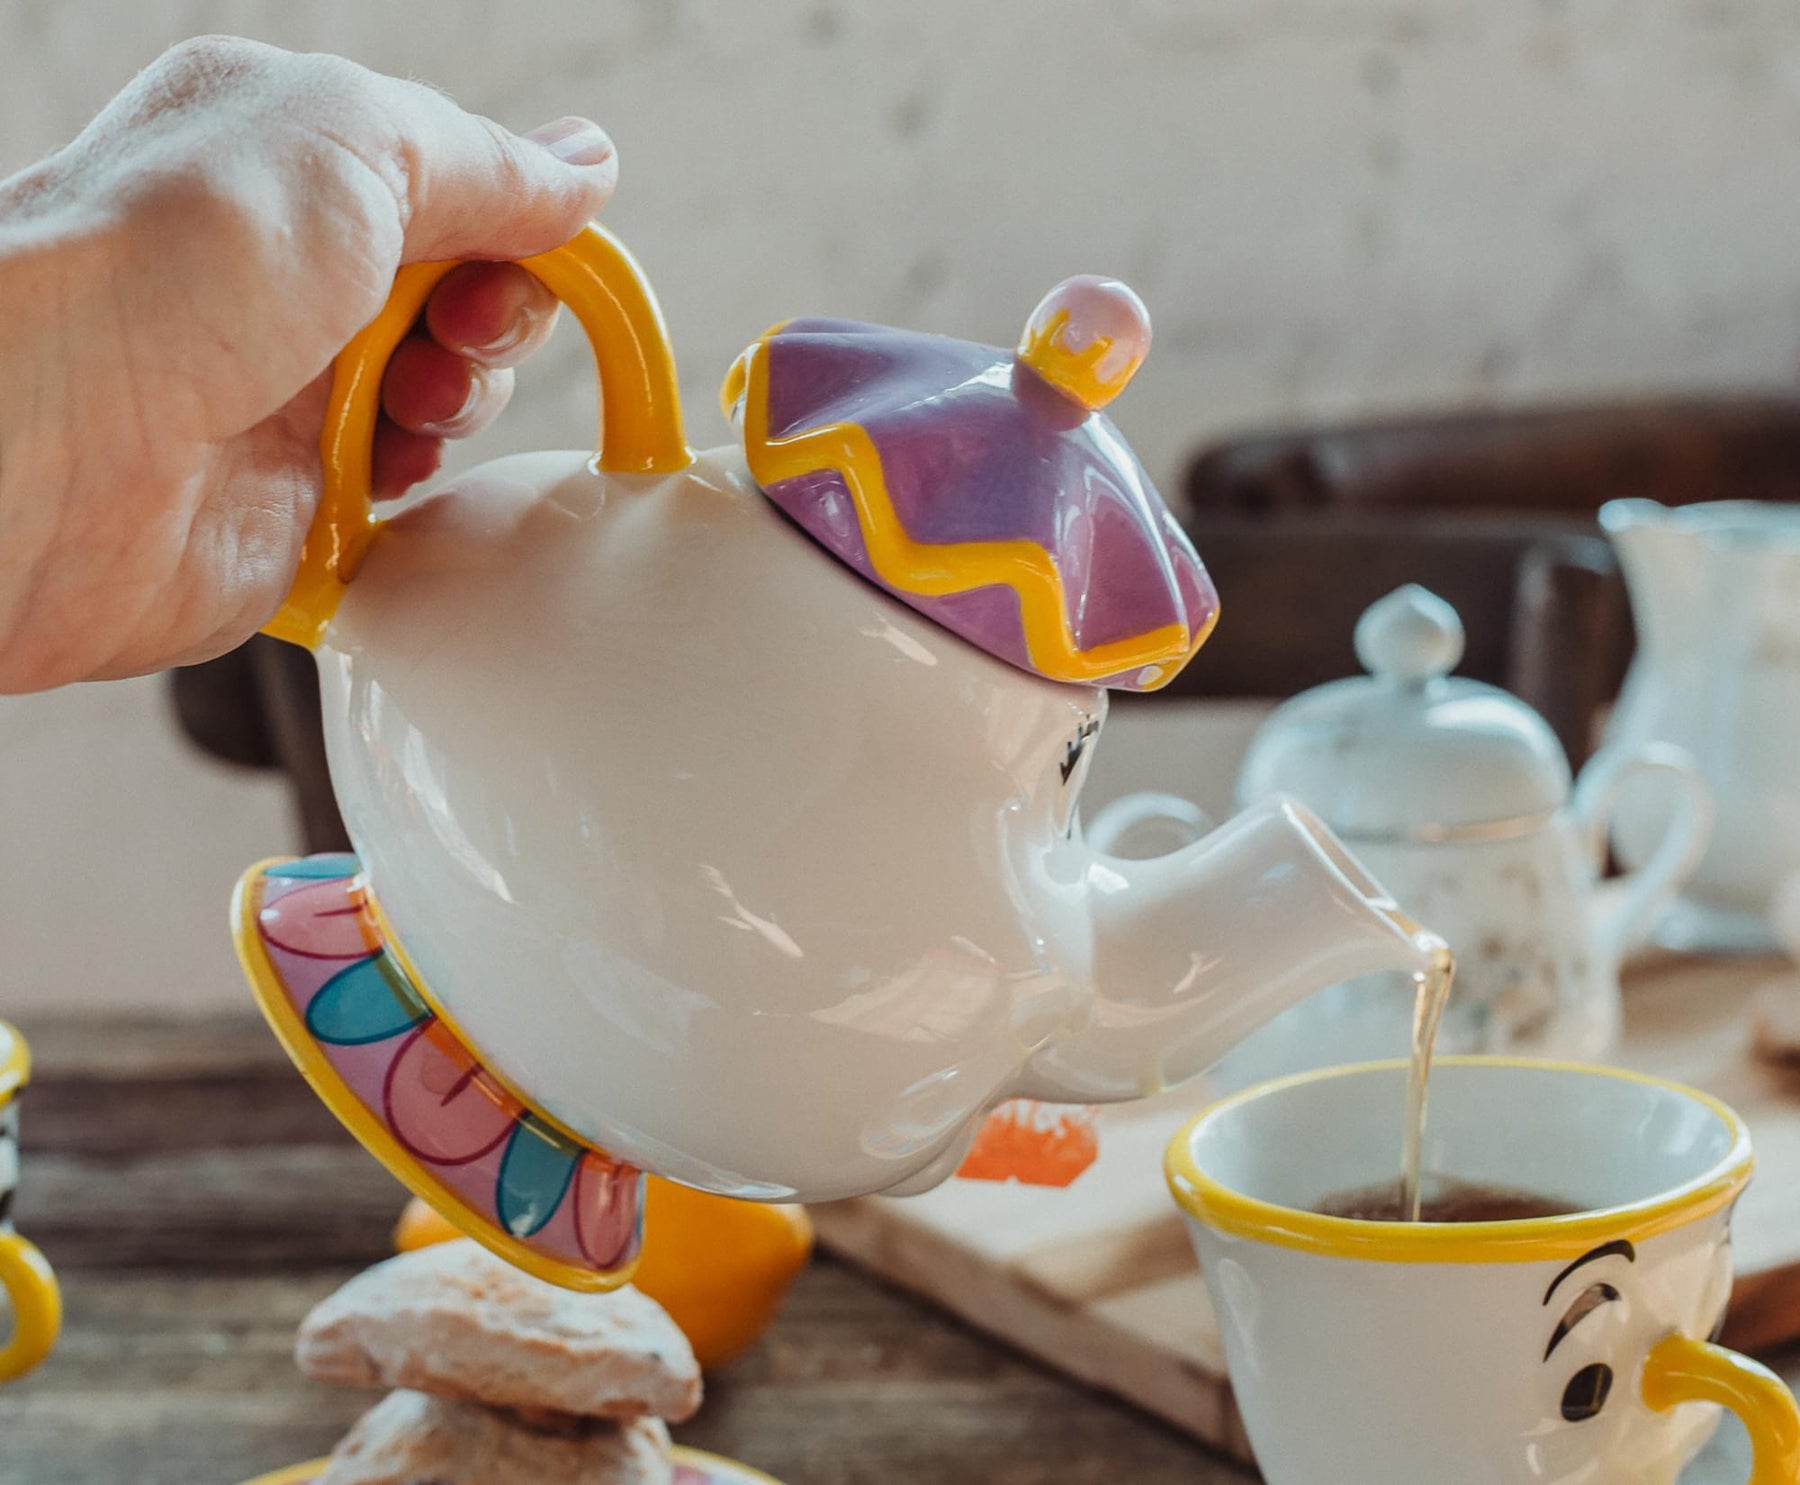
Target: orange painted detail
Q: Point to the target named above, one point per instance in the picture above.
(1035, 1144)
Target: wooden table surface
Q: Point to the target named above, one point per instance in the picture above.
(197, 1201)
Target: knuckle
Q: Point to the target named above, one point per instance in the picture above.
(510, 173)
(204, 64)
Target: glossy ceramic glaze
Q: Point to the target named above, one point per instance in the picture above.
(1457, 796)
(981, 486)
(1715, 593)
(729, 825)
(756, 878)
(1517, 1353)
(26, 1282)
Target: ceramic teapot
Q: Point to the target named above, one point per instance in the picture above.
(1715, 595)
(717, 814)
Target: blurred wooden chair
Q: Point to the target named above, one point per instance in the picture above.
(1544, 609)
(1566, 460)
(1494, 511)
(258, 707)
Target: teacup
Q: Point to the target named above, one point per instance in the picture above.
(1542, 1351)
(24, 1275)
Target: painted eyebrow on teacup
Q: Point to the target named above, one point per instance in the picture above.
(1586, 1302)
(1617, 1248)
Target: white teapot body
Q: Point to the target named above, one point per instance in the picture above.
(745, 873)
(686, 847)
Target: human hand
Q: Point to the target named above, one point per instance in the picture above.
(173, 287)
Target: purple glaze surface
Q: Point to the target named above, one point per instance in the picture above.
(976, 447)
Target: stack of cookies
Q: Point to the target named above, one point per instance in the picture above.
(499, 1378)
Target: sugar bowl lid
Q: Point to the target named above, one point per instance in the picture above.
(982, 486)
(1409, 751)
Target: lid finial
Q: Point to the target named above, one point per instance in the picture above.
(1087, 338)
(1411, 636)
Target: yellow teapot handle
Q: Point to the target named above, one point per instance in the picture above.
(640, 405)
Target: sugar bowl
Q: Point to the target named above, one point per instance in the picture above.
(1458, 796)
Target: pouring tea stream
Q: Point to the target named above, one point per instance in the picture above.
(717, 814)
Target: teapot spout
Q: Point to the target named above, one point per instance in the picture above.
(1195, 949)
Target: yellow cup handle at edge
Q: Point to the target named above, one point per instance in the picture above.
(1680, 1370)
(640, 403)
(36, 1302)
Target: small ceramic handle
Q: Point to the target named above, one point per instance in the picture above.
(639, 399)
(36, 1305)
(1643, 894)
(1680, 1370)
(1121, 827)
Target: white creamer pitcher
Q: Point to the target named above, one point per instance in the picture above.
(1715, 595)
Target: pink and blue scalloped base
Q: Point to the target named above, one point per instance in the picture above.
(569, 1203)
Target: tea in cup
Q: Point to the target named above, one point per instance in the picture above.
(25, 1277)
(1568, 1345)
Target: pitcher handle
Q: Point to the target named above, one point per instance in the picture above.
(1644, 893)
(1679, 1370)
(1180, 820)
(640, 405)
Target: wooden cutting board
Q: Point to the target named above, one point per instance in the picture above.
(1099, 1281)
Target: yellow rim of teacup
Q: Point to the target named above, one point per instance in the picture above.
(15, 1062)
(1224, 1210)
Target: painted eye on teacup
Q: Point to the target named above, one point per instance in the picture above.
(1585, 1393)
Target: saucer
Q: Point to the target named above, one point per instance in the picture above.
(692, 1467)
(365, 1031)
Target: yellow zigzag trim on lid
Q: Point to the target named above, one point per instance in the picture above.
(935, 570)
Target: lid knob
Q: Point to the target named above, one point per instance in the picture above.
(1087, 338)
(1409, 637)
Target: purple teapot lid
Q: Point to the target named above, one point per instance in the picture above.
(983, 486)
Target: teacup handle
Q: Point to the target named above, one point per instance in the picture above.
(1641, 895)
(36, 1305)
(1680, 1370)
(640, 405)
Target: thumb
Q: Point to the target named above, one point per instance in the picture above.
(472, 189)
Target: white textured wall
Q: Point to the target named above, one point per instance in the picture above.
(1328, 204)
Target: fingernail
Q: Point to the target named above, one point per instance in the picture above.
(505, 343)
(451, 426)
(574, 141)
